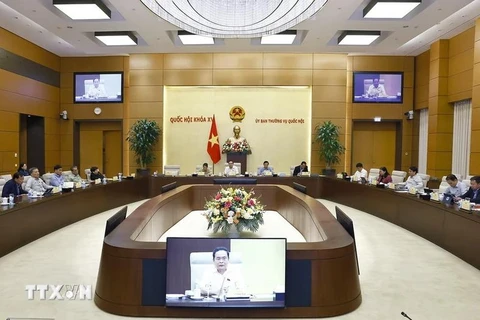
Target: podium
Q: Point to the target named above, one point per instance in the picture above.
(240, 158)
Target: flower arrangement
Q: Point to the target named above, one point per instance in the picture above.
(234, 208)
(240, 146)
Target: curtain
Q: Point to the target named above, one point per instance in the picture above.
(423, 141)
(462, 125)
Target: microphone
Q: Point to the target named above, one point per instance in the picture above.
(405, 315)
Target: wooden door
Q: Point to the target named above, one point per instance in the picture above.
(374, 145)
(91, 149)
(112, 152)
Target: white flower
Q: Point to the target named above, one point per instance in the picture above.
(247, 216)
(216, 212)
(230, 220)
(231, 213)
(250, 211)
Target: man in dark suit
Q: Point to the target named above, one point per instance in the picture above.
(14, 186)
(474, 192)
(301, 168)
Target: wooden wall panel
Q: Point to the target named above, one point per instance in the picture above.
(287, 61)
(188, 61)
(328, 110)
(92, 64)
(146, 61)
(86, 112)
(329, 77)
(188, 77)
(26, 49)
(24, 86)
(240, 77)
(296, 77)
(329, 93)
(237, 61)
(329, 61)
(146, 110)
(146, 77)
(146, 93)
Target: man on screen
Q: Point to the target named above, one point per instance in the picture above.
(376, 90)
(97, 90)
(220, 278)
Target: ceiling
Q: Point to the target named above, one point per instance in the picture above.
(41, 23)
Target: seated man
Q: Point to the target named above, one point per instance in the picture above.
(265, 169)
(74, 176)
(14, 186)
(473, 193)
(95, 174)
(97, 90)
(220, 277)
(301, 168)
(231, 170)
(35, 183)
(456, 188)
(376, 90)
(414, 180)
(57, 179)
(360, 173)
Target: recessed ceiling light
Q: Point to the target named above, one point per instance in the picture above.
(83, 9)
(389, 9)
(188, 38)
(285, 37)
(117, 38)
(358, 38)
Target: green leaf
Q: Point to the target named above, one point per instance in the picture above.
(142, 137)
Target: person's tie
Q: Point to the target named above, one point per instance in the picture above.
(18, 190)
(475, 194)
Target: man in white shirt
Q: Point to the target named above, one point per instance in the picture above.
(97, 90)
(265, 170)
(456, 187)
(220, 277)
(360, 173)
(35, 183)
(414, 180)
(376, 90)
(74, 176)
(231, 170)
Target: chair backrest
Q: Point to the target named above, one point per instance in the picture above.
(87, 174)
(374, 173)
(25, 179)
(398, 176)
(47, 177)
(171, 170)
(368, 82)
(236, 164)
(6, 176)
(200, 262)
(443, 187)
(425, 178)
(2, 183)
(292, 168)
(66, 173)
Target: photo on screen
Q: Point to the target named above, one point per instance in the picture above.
(226, 273)
(105, 87)
(378, 87)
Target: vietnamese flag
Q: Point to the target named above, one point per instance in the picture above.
(213, 147)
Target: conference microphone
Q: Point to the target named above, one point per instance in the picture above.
(405, 315)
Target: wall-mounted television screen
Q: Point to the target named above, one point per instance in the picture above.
(98, 87)
(378, 87)
(226, 273)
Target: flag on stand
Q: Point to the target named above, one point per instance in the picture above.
(213, 147)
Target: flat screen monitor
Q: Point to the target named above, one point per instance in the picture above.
(378, 87)
(98, 87)
(115, 220)
(226, 273)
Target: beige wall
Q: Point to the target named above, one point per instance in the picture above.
(283, 144)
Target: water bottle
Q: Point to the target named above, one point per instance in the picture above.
(104, 180)
(83, 184)
(11, 198)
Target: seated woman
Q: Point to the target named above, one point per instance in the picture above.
(23, 169)
(383, 176)
(95, 174)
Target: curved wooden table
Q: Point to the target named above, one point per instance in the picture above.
(321, 279)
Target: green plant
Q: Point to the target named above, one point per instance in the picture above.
(142, 136)
(327, 136)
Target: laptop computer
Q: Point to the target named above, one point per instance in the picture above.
(448, 198)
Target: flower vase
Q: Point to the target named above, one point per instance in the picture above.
(233, 232)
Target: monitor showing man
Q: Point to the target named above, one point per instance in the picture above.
(376, 90)
(96, 90)
(220, 280)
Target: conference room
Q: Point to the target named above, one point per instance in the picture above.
(255, 112)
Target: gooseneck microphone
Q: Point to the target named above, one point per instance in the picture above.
(405, 315)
